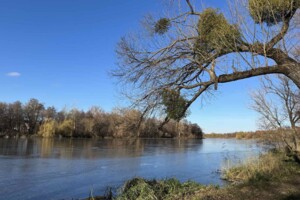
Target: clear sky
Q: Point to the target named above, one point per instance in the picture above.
(60, 52)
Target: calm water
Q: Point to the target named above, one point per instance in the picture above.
(70, 168)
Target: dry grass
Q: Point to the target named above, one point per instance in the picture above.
(268, 166)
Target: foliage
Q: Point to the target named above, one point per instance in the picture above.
(149, 128)
(271, 11)
(143, 189)
(66, 128)
(48, 128)
(174, 104)
(196, 129)
(215, 33)
(129, 122)
(162, 26)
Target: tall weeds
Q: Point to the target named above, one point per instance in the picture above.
(265, 167)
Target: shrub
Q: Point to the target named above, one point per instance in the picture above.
(139, 188)
(48, 128)
(66, 128)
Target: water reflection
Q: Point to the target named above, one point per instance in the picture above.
(94, 149)
(42, 168)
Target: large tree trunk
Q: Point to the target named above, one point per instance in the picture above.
(293, 72)
(291, 66)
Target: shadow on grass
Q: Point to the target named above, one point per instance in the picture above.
(292, 197)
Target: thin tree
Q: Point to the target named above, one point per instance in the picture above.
(192, 52)
(278, 103)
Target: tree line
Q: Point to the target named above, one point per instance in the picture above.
(33, 118)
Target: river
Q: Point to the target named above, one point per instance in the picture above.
(43, 168)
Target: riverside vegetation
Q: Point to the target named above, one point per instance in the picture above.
(33, 119)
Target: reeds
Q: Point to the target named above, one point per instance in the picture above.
(267, 166)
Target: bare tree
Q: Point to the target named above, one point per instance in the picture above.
(192, 52)
(33, 115)
(278, 103)
(17, 113)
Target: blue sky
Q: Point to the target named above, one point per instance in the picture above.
(60, 52)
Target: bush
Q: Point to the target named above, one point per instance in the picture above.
(48, 129)
(66, 128)
(143, 189)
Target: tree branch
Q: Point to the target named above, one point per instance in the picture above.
(276, 69)
(224, 78)
(190, 5)
(283, 31)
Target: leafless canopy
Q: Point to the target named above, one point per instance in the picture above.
(192, 52)
(278, 103)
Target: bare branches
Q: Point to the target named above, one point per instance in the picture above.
(271, 116)
(278, 103)
(283, 92)
(188, 56)
(191, 7)
(283, 31)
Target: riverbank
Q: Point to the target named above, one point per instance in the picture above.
(262, 134)
(271, 176)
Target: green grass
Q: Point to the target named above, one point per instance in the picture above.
(168, 189)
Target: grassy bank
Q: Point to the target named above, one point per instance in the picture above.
(271, 176)
(269, 166)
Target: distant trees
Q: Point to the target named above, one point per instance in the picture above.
(32, 118)
(18, 118)
(17, 115)
(48, 128)
(66, 128)
(11, 117)
(33, 115)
